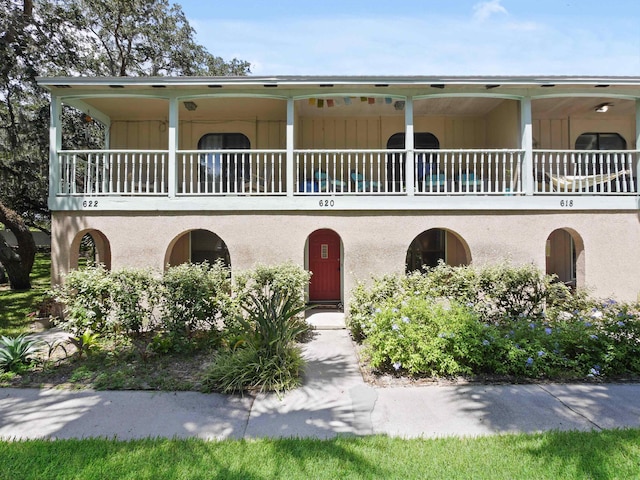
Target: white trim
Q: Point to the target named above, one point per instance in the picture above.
(526, 144)
(409, 145)
(173, 131)
(383, 203)
(88, 109)
(290, 145)
(55, 143)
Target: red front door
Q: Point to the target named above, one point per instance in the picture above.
(324, 263)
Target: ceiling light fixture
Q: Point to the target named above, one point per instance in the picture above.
(603, 107)
(191, 106)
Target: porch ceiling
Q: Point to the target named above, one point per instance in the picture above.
(135, 108)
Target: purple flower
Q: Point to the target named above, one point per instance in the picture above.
(620, 324)
(532, 325)
(405, 319)
(397, 365)
(547, 330)
(593, 337)
(529, 361)
(541, 353)
(395, 327)
(485, 342)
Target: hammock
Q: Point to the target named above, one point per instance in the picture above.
(571, 183)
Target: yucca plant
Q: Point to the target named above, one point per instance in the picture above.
(271, 322)
(267, 358)
(16, 352)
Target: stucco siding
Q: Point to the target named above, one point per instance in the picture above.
(372, 244)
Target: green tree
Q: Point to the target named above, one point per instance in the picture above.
(71, 37)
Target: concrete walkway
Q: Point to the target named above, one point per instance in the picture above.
(334, 400)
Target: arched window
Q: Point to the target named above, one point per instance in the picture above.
(433, 246)
(198, 246)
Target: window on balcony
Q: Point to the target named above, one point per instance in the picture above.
(599, 141)
(395, 165)
(224, 172)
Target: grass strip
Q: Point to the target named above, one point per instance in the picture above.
(607, 454)
(15, 306)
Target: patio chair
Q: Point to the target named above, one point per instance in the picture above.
(467, 182)
(328, 184)
(433, 182)
(575, 183)
(363, 185)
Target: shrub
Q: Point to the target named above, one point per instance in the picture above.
(195, 297)
(17, 352)
(86, 295)
(135, 296)
(426, 337)
(506, 292)
(366, 299)
(501, 320)
(287, 279)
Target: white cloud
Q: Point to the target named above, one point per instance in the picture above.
(483, 10)
(434, 45)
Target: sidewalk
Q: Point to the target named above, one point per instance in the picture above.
(334, 400)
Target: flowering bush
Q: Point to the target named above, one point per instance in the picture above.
(499, 320)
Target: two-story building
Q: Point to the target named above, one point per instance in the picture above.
(354, 176)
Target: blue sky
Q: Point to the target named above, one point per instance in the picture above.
(427, 37)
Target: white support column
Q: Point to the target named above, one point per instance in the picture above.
(107, 136)
(526, 144)
(637, 145)
(409, 146)
(55, 144)
(290, 169)
(172, 177)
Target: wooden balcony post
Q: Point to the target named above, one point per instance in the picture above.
(290, 159)
(55, 144)
(526, 144)
(172, 177)
(409, 145)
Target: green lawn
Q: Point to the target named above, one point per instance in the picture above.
(15, 306)
(555, 455)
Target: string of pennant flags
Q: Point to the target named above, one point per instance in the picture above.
(334, 102)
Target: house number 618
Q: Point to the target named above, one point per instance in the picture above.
(327, 203)
(566, 203)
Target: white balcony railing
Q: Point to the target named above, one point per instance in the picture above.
(113, 172)
(345, 172)
(382, 172)
(581, 172)
(231, 172)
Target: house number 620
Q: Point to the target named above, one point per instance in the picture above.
(327, 203)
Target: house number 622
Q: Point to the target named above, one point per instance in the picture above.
(327, 203)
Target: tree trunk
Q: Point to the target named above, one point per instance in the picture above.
(17, 263)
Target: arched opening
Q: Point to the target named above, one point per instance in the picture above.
(565, 257)
(423, 162)
(90, 247)
(435, 245)
(324, 261)
(198, 246)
